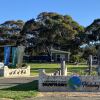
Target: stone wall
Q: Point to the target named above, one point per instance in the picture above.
(60, 83)
(17, 72)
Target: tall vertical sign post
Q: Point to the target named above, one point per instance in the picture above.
(20, 54)
(6, 55)
(14, 56)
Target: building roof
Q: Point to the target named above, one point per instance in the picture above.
(59, 51)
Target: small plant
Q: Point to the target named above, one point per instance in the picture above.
(81, 72)
(24, 65)
(94, 73)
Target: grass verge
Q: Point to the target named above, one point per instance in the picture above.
(50, 68)
(21, 91)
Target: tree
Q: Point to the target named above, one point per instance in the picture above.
(10, 32)
(50, 30)
(57, 29)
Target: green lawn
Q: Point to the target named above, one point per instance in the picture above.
(50, 68)
(21, 91)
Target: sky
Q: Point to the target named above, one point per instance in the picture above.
(82, 11)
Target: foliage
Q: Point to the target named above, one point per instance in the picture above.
(77, 58)
(93, 30)
(89, 51)
(51, 30)
(10, 32)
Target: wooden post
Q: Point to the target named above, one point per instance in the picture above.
(90, 64)
(98, 66)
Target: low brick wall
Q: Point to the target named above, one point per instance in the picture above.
(17, 72)
(60, 83)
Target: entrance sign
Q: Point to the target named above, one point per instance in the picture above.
(59, 83)
(17, 58)
(74, 82)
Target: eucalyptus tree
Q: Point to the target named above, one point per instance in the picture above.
(50, 30)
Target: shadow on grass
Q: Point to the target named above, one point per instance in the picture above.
(77, 68)
(43, 68)
(48, 70)
(31, 86)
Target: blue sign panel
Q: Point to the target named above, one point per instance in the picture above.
(6, 55)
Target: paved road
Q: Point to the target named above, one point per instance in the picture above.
(67, 96)
(9, 82)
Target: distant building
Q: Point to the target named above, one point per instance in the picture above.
(57, 55)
